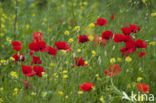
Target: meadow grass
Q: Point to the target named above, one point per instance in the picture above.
(60, 82)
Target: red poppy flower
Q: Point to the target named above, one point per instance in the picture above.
(119, 38)
(27, 71)
(141, 44)
(83, 39)
(130, 45)
(97, 40)
(134, 28)
(36, 60)
(45, 49)
(52, 51)
(126, 30)
(142, 87)
(18, 57)
(141, 54)
(31, 52)
(130, 48)
(123, 50)
(114, 69)
(41, 44)
(87, 86)
(128, 38)
(17, 45)
(38, 70)
(62, 45)
(37, 36)
(107, 35)
(113, 17)
(27, 85)
(79, 62)
(101, 22)
(36, 46)
(125, 53)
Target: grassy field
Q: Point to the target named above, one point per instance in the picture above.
(105, 75)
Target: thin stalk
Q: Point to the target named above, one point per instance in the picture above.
(15, 23)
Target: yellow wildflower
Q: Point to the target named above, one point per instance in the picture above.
(1, 34)
(1, 89)
(12, 59)
(76, 28)
(93, 53)
(27, 26)
(144, 1)
(33, 14)
(52, 64)
(97, 75)
(65, 76)
(44, 74)
(70, 40)
(80, 92)
(152, 43)
(15, 91)
(66, 97)
(139, 79)
(85, 3)
(128, 59)
(91, 37)
(119, 59)
(33, 93)
(60, 93)
(100, 38)
(102, 99)
(66, 32)
(112, 60)
(2, 26)
(9, 40)
(55, 75)
(65, 71)
(91, 25)
(63, 51)
(78, 50)
(3, 62)
(2, 19)
(153, 14)
(13, 74)
(86, 62)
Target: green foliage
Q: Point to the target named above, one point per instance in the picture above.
(53, 18)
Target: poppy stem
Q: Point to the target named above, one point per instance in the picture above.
(15, 23)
